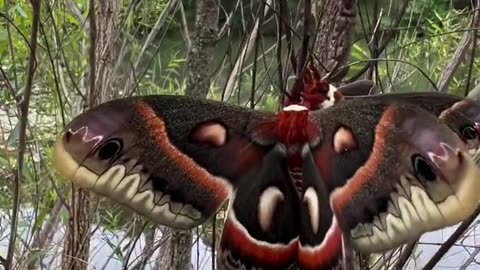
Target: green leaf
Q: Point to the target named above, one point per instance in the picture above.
(40, 219)
(13, 136)
(3, 34)
(20, 11)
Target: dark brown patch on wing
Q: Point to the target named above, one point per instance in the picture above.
(366, 172)
(218, 190)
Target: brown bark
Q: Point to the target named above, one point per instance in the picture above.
(176, 253)
(200, 56)
(106, 51)
(77, 241)
(333, 43)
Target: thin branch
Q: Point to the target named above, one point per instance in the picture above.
(54, 71)
(172, 5)
(388, 37)
(405, 255)
(373, 43)
(254, 68)
(185, 31)
(284, 18)
(451, 240)
(472, 57)
(399, 61)
(77, 13)
(246, 50)
(93, 42)
(11, 47)
(302, 60)
(280, 31)
(7, 84)
(449, 70)
(459, 55)
(470, 259)
(18, 30)
(24, 106)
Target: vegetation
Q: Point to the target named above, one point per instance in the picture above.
(151, 43)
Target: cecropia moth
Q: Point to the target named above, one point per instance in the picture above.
(378, 171)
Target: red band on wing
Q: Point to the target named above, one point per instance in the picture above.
(218, 190)
(244, 153)
(325, 255)
(323, 161)
(343, 196)
(267, 255)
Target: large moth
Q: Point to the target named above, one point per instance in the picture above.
(377, 171)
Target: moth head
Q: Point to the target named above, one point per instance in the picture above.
(418, 178)
(312, 91)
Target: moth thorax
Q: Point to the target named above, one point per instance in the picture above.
(292, 126)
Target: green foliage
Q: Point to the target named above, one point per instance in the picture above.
(141, 16)
(425, 11)
(428, 53)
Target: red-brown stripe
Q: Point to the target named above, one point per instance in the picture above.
(263, 254)
(344, 195)
(324, 255)
(323, 157)
(216, 189)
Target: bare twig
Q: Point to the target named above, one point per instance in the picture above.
(132, 246)
(11, 47)
(44, 236)
(280, 32)
(302, 60)
(77, 13)
(54, 71)
(24, 107)
(25, 38)
(254, 68)
(186, 33)
(373, 43)
(172, 6)
(449, 70)
(246, 51)
(7, 84)
(92, 60)
(472, 55)
(386, 40)
(405, 255)
(451, 240)
(470, 259)
(459, 55)
(434, 86)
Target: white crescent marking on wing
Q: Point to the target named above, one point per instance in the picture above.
(266, 206)
(311, 199)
